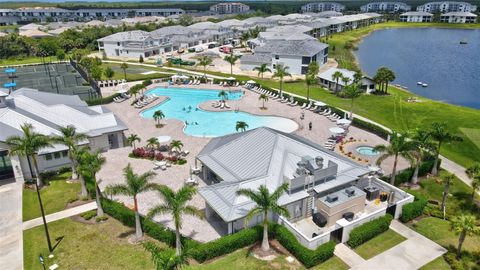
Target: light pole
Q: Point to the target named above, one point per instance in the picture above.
(50, 249)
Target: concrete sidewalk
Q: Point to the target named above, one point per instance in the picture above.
(60, 215)
(347, 255)
(11, 234)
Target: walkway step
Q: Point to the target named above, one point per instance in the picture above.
(60, 215)
(347, 255)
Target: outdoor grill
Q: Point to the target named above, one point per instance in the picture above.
(320, 220)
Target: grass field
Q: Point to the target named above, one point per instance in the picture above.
(437, 264)
(472, 134)
(54, 197)
(85, 246)
(134, 72)
(379, 244)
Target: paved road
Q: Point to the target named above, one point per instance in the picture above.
(11, 234)
(60, 215)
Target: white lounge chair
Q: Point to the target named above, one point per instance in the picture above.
(303, 106)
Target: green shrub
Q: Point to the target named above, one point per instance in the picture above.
(89, 215)
(367, 126)
(101, 218)
(147, 82)
(451, 259)
(412, 210)
(369, 230)
(102, 100)
(226, 244)
(406, 175)
(308, 257)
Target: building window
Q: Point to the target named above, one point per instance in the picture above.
(65, 153)
(277, 57)
(118, 43)
(305, 61)
(56, 155)
(48, 157)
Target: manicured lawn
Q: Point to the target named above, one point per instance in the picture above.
(54, 197)
(241, 260)
(472, 134)
(438, 230)
(134, 72)
(437, 264)
(84, 246)
(379, 244)
(459, 200)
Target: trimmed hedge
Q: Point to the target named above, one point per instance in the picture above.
(369, 230)
(226, 244)
(412, 210)
(308, 257)
(406, 175)
(101, 100)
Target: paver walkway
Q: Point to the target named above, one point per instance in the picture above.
(11, 235)
(412, 253)
(60, 215)
(347, 255)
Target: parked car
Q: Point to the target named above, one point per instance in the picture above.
(212, 45)
(199, 49)
(225, 49)
(181, 50)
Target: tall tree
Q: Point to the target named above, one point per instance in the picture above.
(158, 115)
(310, 79)
(241, 125)
(352, 92)
(399, 145)
(231, 59)
(90, 164)
(152, 143)
(447, 180)
(124, 66)
(70, 138)
(27, 145)
(357, 77)
(204, 61)
(132, 138)
(337, 76)
(464, 225)
(176, 145)
(133, 186)
(109, 73)
(423, 146)
(473, 173)
(244, 38)
(389, 77)
(281, 72)
(441, 135)
(175, 204)
(262, 69)
(265, 202)
(313, 68)
(379, 78)
(263, 98)
(165, 258)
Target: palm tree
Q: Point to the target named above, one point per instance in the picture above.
(357, 77)
(337, 76)
(124, 66)
(447, 180)
(399, 146)
(464, 225)
(158, 115)
(152, 143)
(70, 138)
(281, 72)
(310, 79)
(174, 203)
(90, 164)
(134, 90)
(473, 173)
(379, 78)
(389, 77)
(352, 92)
(231, 59)
(165, 258)
(265, 202)
(263, 98)
(313, 68)
(176, 145)
(28, 146)
(423, 146)
(134, 185)
(241, 125)
(263, 68)
(441, 135)
(109, 73)
(204, 61)
(244, 37)
(223, 95)
(345, 81)
(132, 138)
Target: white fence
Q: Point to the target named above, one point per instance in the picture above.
(311, 243)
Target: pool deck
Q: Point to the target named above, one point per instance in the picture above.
(175, 176)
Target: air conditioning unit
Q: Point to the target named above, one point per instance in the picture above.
(350, 192)
(332, 198)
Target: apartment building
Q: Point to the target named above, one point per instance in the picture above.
(389, 7)
(447, 6)
(229, 8)
(322, 6)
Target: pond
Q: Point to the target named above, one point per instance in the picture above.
(433, 56)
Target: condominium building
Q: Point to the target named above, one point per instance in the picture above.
(458, 17)
(391, 7)
(447, 6)
(416, 16)
(322, 6)
(229, 8)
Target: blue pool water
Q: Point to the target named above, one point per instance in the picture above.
(430, 55)
(366, 151)
(209, 124)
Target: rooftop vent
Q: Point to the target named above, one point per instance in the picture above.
(332, 198)
(310, 164)
(350, 192)
(319, 161)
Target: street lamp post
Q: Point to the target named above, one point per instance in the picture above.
(50, 249)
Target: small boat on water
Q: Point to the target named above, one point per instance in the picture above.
(463, 42)
(424, 85)
(419, 83)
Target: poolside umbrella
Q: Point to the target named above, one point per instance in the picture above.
(230, 79)
(122, 91)
(251, 81)
(319, 103)
(337, 130)
(184, 77)
(344, 121)
(164, 139)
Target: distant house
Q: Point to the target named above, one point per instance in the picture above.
(416, 16)
(34, 33)
(229, 8)
(27, 27)
(447, 6)
(391, 7)
(322, 186)
(458, 17)
(322, 6)
(327, 80)
(47, 112)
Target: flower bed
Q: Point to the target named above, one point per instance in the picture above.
(344, 145)
(151, 154)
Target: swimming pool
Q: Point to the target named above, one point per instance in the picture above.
(183, 105)
(366, 151)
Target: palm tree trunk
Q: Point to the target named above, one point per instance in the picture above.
(74, 166)
(308, 93)
(351, 110)
(460, 243)
(98, 194)
(444, 198)
(84, 192)
(125, 74)
(178, 242)
(231, 69)
(265, 244)
(386, 87)
(281, 88)
(394, 171)
(415, 174)
(435, 163)
(35, 171)
(138, 225)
